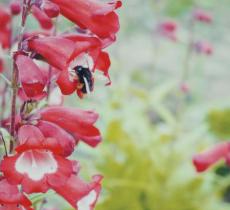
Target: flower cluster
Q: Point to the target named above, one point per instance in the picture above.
(46, 66)
(168, 29)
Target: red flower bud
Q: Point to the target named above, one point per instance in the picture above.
(43, 19)
(51, 9)
(15, 7)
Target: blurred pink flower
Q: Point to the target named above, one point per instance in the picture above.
(184, 87)
(202, 16)
(168, 29)
(203, 47)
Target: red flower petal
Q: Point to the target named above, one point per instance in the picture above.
(45, 136)
(34, 169)
(65, 141)
(14, 207)
(76, 37)
(206, 159)
(5, 40)
(30, 76)
(22, 95)
(29, 137)
(51, 9)
(97, 16)
(49, 48)
(11, 197)
(75, 121)
(1, 65)
(103, 63)
(5, 17)
(79, 194)
(72, 116)
(66, 86)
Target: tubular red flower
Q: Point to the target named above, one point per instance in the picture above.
(48, 48)
(43, 19)
(11, 198)
(30, 76)
(97, 16)
(77, 60)
(64, 140)
(37, 170)
(77, 122)
(206, 159)
(45, 136)
(51, 9)
(80, 195)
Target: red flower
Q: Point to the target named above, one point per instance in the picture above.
(5, 17)
(202, 16)
(45, 136)
(48, 48)
(1, 65)
(37, 166)
(77, 60)
(5, 30)
(76, 122)
(31, 78)
(15, 7)
(51, 9)
(206, 159)
(44, 21)
(97, 16)
(36, 170)
(11, 198)
(5, 34)
(80, 195)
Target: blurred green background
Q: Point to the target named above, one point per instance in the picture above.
(151, 128)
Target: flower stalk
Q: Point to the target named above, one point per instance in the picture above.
(15, 74)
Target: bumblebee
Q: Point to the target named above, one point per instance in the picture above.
(85, 78)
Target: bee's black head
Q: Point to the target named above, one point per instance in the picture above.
(85, 77)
